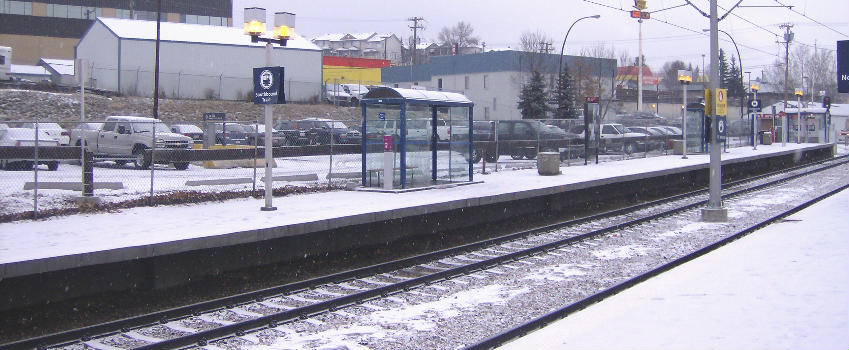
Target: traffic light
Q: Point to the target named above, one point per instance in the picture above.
(826, 102)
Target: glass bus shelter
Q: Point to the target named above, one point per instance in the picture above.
(430, 133)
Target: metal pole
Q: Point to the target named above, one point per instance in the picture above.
(754, 124)
(684, 124)
(256, 147)
(798, 117)
(640, 68)
(269, 181)
(714, 211)
(35, 176)
(152, 151)
(156, 68)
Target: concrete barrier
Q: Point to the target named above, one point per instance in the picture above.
(73, 186)
(247, 180)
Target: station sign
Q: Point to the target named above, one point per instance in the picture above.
(640, 14)
(754, 105)
(214, 117)
(843, 66)
(721, 128)
(268, 86)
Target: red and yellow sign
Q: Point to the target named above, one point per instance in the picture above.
(716, 102)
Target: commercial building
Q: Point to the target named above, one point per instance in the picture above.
(493, 80)
(195, 61)
(362, 45)
(51, 28)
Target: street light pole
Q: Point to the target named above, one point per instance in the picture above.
(284, 23)
(685, 77)
(563, 46)
(640, 68)
(714, 211)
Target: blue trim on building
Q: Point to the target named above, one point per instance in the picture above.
(494, 61)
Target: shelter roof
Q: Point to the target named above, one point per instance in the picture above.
(414, 95)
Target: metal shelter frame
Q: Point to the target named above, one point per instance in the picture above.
(403, 98)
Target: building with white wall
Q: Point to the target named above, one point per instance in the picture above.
(363, 45)
(195, 61)
(493, 80)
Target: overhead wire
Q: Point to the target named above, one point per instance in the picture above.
(813, 20)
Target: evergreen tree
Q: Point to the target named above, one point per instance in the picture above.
(565, 96)
(532, 98)
(735, 80)
(724, 70)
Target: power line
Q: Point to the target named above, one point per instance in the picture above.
(806, 16)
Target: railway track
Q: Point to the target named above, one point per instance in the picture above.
(237, 318)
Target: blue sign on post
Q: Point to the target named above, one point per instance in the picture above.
(843, 66)
(268, 86)
(381, 116)
(721, 128)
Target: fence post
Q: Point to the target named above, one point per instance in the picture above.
(35, 175)
(497, 155)
(88, 173)
(152, 157)
(330, 171)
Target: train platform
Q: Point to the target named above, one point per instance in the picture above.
(165, 246)
(785, 286)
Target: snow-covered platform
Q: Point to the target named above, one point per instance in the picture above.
(768, 290)
(156, 247)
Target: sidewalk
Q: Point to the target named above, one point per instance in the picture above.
(783, 287)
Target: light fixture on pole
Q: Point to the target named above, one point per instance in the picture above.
(685, 77)
(254, 25)
(563, 46)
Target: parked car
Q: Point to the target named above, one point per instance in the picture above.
(80, 131)
(230, 134)
(190, 130)
(325, 129)
(521, 138)
(356, 91)
(654, 138)
(26, 137)
(335, 94)
(54, 130)
(125, 138)
(256, 135)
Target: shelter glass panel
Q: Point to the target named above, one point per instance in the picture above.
(381, 120)
(458, 155)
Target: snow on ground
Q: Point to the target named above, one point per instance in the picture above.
(67, 235)
(783, 287)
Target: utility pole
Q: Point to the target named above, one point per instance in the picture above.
(640, 69)
(788, 37)
(415, 29)
(714, 212)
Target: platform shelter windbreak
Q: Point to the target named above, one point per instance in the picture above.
(431, 137)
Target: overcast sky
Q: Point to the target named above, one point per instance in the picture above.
(500, 23)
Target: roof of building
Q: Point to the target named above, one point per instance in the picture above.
(380, 37)
(329, 37)
(62, 67)
(191, 33)
(495, 61)
(28, 70)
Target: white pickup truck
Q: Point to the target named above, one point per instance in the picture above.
(124, 138)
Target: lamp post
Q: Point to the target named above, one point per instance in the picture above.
(798, 94)
(685, 77)
(754, 88)
(284, 25)
(563, 46)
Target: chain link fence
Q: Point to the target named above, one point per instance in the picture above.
(124, 162)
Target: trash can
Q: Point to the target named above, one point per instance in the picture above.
(766, 138)
(548, 163)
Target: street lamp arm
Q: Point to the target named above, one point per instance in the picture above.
(563, 46)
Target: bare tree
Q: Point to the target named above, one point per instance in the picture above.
(462, 33)
(601, 86)
(534, 44)
(819, 66)
(669, 75)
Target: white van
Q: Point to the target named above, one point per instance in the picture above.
(5, 63)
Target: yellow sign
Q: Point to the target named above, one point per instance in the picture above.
(640, 4)
(716, 102)
(720, 102)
